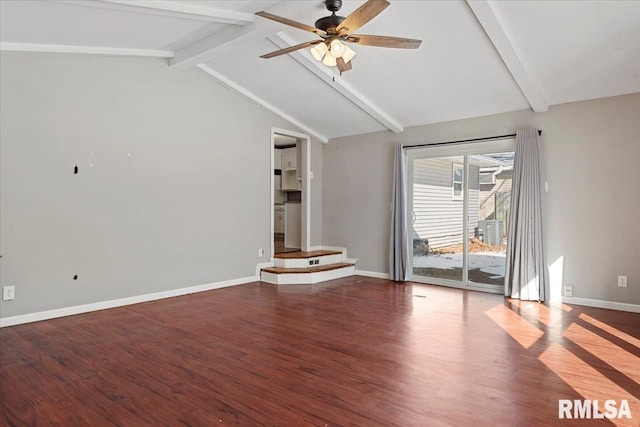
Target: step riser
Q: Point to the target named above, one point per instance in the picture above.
(304, 262)
(307, 278)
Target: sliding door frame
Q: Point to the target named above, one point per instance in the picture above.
(447, 150)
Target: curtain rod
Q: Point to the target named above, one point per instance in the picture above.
(489, 138)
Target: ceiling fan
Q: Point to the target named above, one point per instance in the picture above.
(334, 30)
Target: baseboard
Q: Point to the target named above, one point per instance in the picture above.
(611, 305)
(86, 308)
(103, 305)
(262, 265)
(372, 274)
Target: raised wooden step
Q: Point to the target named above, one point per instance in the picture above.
(302, 254)
(307, 275)
(280, 270)
(309, 259)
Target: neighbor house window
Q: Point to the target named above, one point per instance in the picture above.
(458, 172)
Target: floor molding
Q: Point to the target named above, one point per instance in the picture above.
(86, 308)
(372, 274)
(262, 265)
(598, 303)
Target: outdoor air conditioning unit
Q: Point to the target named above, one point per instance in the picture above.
(491, 231)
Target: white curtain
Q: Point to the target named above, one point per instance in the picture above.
(399, 234)
(526, 270)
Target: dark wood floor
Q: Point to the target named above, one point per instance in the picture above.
(354, 351)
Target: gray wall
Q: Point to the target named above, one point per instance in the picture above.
(592, 152)
(178, 194)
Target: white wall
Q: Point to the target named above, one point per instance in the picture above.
(592, 155)
(173, 187)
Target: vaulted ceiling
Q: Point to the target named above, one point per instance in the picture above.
(478, 57)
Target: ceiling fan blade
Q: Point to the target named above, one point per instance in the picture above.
(343, 66)
(290, 49)
(362, 15)
(291, 23)
(384, 41)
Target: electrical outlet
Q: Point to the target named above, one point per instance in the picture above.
(8, 293)
(568, 291)
(260, 252)
(622, 281)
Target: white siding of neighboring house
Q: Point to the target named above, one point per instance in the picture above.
(488, 193)
(438, 217)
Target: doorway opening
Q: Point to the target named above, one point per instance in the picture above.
(290, 191)
(459, 203)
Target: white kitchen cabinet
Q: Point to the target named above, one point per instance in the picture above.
(289, 180)
(289, 158)
(279, 219)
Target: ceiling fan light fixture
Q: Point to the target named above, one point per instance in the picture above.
(329, 61)
(348, 54)
(319, 51)
(337, 48)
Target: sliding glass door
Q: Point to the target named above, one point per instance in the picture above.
(459, 202)
(437, 217)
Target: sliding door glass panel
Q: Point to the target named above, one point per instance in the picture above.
(438, 193)
(489, 205)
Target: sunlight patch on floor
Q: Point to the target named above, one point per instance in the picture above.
(540, 311)
(518, 328)
(611, 330)
(587, 381)
(620, 359)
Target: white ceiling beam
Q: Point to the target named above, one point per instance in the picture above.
(90, 50)
(486, 13)
(226, 41)
(233, 39)
(332, 78)
(172, 9)
(255, 98)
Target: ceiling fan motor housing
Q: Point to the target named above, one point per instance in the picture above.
(329, 23)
